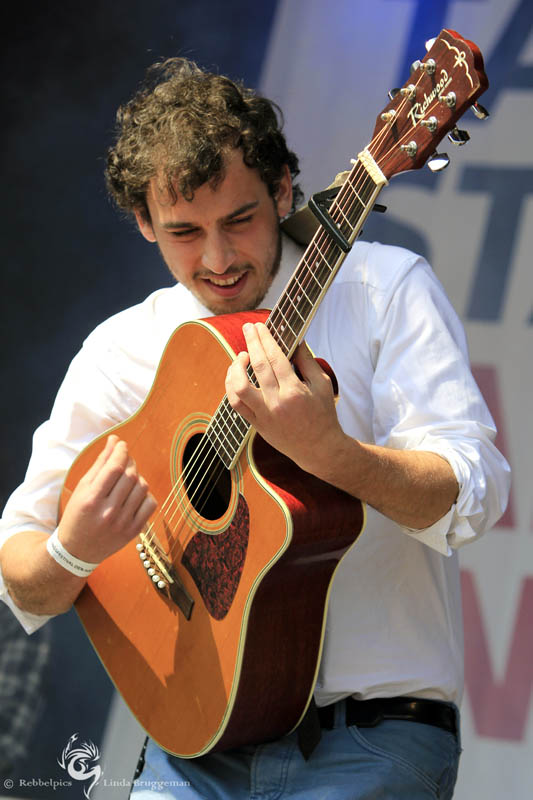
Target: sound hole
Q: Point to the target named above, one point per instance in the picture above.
(207, 481)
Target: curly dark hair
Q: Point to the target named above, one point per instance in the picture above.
(180, 125)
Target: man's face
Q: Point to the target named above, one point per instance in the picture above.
(224, 245)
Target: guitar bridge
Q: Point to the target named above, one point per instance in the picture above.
(163, 574)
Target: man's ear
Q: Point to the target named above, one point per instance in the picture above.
(144, 224)
(284, 194)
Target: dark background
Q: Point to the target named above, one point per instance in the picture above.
(69, 260)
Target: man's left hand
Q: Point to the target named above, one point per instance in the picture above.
(296, 415)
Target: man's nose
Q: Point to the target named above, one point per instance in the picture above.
(218, 253)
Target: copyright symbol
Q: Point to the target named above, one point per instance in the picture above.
(8, 783)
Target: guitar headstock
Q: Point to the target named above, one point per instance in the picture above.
(441, 87)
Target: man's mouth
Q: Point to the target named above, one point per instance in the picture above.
(229, 281)
(227, 285)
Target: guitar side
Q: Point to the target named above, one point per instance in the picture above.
(257, 570)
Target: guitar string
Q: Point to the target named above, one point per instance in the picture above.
(336, 211)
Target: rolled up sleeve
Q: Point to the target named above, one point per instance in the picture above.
(427, 399)
(87, 404)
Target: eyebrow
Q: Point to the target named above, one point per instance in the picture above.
(175, 225)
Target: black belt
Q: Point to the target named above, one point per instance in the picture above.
(367, 713)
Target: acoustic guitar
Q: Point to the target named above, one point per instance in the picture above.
(211, 624)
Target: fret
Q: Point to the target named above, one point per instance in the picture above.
(288, 321)
(301, 289)
(351, 210)
(279, 338)
(354, 191)
(290, 307)
(221, 443)
(294, 308)
(227, 431)
(321, 273)
(313, 276)
(315, 280)
(325, 256)
(225, 454)
(234, 419)
(356, 195)
(339, 210)
(224, 431)
(285, 322)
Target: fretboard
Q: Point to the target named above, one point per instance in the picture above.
(291, 316)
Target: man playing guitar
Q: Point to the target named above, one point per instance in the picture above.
(202, 165)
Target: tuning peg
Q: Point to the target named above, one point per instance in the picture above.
(480, 111)
(438, 162)
(458, 137)
(448, 99)
(429, 66)
(431, 123)
(411, 148)
(430, 43)
(407, 91)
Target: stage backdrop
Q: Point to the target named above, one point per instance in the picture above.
(330, 65)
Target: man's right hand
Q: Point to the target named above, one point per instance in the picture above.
(110, 506)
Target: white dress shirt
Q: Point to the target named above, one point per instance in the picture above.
(399, 353)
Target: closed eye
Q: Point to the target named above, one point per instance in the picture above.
(180, 234)
(240, 220)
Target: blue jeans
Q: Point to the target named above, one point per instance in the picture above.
(394, 759)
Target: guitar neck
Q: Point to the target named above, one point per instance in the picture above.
(291, 316)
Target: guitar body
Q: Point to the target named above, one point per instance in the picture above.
(256, 563)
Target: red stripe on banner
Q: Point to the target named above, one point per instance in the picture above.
(500, 708)
(487, 381)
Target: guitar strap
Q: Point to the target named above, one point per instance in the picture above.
(309, 730)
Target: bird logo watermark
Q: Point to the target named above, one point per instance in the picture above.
(80, 762)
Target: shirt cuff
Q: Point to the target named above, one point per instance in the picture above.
(436, 536)
(30, 622)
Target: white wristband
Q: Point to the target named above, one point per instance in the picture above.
(75, 565)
